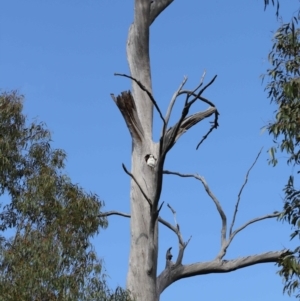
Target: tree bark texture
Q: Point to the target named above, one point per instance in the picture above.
(141, 279)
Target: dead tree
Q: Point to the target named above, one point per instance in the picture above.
(147, 170)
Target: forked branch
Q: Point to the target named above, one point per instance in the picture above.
(182, 244)
(252, 221)
(170, 136)
(234, 233)
(166, 278)
(211, 195)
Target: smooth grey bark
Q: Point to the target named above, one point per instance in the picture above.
(146, 180)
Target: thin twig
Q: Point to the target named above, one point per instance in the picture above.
(254, 220)
(241, 191)
(196, 95)
(161, 220)
(185, 111)
(193, 92)
(148, 93)
(182, 245)
(202, 90)
(174, 213)
(214, 126)
(228, 242)
(139, 186)
(201, 82)
(160, 207)
(174, 229)
(212, 196)
(172, 102)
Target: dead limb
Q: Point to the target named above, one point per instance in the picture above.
(148, 93)
(252, 221)
(113, 212)
(185, 122)
(139, 186)
(171, 104)
(211, 195)
(168, 276)
(175, 132)
(161, 220)
(215, 124)
(182, 244)
(241, 191)
(234, 233)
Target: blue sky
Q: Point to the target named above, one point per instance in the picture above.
(62, 55)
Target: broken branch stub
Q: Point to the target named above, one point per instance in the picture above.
(126, 105)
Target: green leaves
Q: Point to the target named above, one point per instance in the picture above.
(284, 91)
(50, 257)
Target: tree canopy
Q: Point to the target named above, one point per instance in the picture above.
(283, 89)
(50, 257)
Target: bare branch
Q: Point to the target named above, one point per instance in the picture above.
(198, 95)
(191, 93)
(197, 87)
(167, 277)
(215, 124)
(139, 186)
(161, 220)
(231, 236)
(172, 102)
(157, 6)
(157, 212)
(182, 245)
(148, 93)
(175, 132)
(168, 225)
(254, 220)
(202, 90)
(113, 212)
(177, 228)
(241, 191)
(174, 213)
(212, 196)
(184, 123)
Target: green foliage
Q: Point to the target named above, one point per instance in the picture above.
(284, 91)
(50, 257)
(267, 2)
(290, 262)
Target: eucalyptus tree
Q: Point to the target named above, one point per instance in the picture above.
(147, 171)
(283, 89)
(49, 256)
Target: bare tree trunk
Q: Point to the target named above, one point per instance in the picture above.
(141, 280)
(147, 171)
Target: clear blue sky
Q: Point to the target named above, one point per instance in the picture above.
(61, 54)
